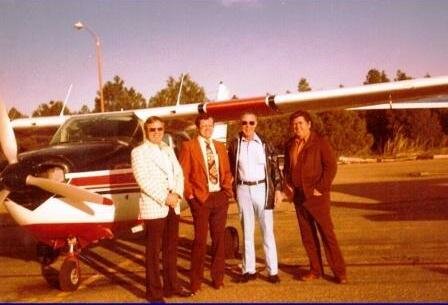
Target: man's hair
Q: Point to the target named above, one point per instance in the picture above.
(202, 117)
(299, 113)
(153, 119)
(248, 113)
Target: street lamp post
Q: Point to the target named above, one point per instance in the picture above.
(79, 26)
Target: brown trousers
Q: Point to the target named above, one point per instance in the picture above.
(162, 233)
(211, 214)
(313, 215)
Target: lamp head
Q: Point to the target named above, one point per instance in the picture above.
(78, 25)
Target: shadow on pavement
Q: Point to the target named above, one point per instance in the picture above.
(423, 199)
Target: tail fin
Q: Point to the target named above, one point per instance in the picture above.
(220, 130)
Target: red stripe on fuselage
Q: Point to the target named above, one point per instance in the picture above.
(56, 234)
(114, 179)
(226, 109)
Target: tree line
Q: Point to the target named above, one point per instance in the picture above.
(380, 132)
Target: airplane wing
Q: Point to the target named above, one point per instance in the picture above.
(44, 121)
(415, 93)
(423, 93)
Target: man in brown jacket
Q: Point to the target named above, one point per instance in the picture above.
(310, 167)
(208, 187)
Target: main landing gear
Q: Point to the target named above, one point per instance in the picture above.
(60, 269)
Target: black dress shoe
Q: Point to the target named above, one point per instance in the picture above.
(246, 277)
(273, 279)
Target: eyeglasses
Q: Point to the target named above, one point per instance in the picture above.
(152, 129)
(251, 123)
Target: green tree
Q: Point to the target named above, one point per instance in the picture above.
(118, 97)
(15, 114)
(376, 120)
(401, 76)
(84, 109)
(443, 119)
(374, 77)
(346, 131)
(49, 109)
(191, 93)
(303, 85)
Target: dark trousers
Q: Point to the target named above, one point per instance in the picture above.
(162, 234)
(211, 214)
(313, 215)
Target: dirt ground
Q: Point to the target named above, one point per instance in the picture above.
(391, 220)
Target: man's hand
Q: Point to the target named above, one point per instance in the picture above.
(278, 197)
(172, 200)
(289, 191)
(317, 193)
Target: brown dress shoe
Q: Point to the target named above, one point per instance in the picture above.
(309, 277)
(217, 285)
(182, 292)
(341, 280)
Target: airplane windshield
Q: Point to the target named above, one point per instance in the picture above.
(121, 128)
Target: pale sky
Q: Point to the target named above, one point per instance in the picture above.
(253, 46)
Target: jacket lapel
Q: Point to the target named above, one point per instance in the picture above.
(198, 152)
(155, 156)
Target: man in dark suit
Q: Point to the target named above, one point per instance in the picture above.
(310, 167)
(208, 187)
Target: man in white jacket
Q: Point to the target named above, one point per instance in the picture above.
(159, 175)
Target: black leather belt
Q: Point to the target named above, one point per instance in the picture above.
(251, 182)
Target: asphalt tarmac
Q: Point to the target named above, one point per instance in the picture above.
(391, 220)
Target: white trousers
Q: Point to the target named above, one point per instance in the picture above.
(251, 201)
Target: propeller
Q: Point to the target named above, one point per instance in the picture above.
(66, 190)
(7, 137)
(3, 194)
(9, 146)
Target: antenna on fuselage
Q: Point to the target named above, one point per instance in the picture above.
(66, 99)
(179, 94)
(180, 91)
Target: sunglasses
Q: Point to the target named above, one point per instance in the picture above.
(251, 123)
(155, 129)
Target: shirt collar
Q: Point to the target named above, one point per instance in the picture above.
(204, 140)
(256, 139)
(153, 145)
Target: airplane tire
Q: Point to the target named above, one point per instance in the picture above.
(69, 275)
(231, 242)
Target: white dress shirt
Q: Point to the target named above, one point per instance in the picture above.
(252, 160)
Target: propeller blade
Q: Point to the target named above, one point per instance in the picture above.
(66, 190)
(3, 194)
(7, 137)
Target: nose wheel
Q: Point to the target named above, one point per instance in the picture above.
(70, 274)
(63, 271)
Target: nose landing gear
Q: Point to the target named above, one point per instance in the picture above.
(61, 271)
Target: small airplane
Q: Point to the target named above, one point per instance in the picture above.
(81, 189)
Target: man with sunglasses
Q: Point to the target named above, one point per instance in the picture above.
(208, 187)
(257, 187)
(161, 181)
